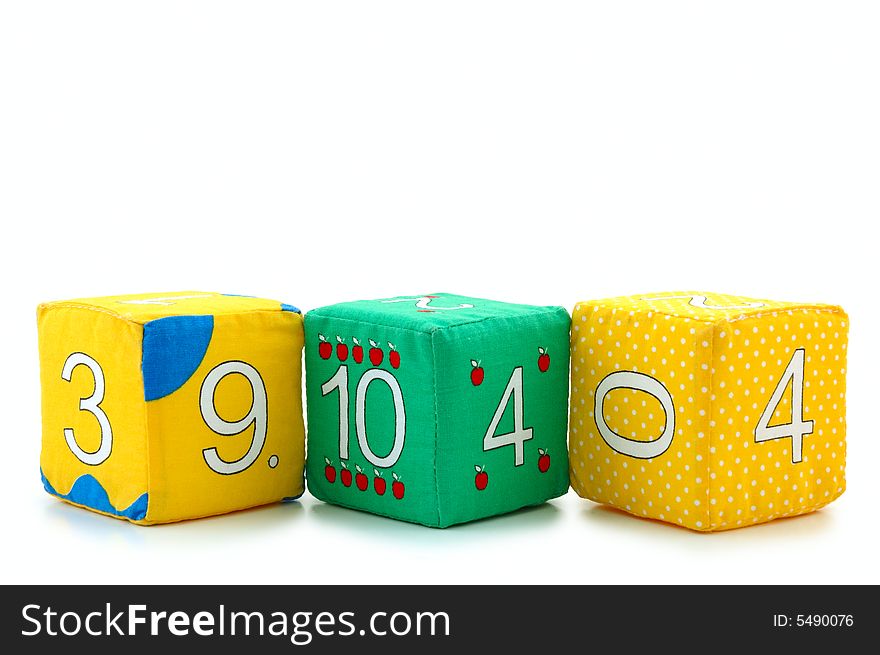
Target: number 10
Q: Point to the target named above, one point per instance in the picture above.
(339, 382)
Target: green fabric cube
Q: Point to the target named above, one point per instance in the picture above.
(437, 409)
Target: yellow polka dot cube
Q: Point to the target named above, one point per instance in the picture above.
(709, 411)
(164, 407)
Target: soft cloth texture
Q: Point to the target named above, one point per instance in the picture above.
(402, 393)
(708, 410)
(163, 407)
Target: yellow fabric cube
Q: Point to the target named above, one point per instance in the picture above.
(164, 407)
(706, 410)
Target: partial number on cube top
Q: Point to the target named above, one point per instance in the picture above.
(437, 409)
(708, 410)
(163, 407)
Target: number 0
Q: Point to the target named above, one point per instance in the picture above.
(639, 382)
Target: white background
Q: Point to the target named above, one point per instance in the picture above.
(537, 152)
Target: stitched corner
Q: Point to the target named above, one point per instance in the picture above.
(436, 426)
(147, 441)
(711, 429)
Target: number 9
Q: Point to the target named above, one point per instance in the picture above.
(257, 415)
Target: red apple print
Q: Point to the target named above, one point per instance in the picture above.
(543, 460)
(379, 483)
(393, 356)
(329, 472)
(543, 360)
(482, 479)
(341, 349)
(397, 487)
(325, 348)
(361, 479)
(376, 353)
(477, 373)
(358, 351)
(345, 476)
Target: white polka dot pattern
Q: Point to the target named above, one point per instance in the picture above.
(720, 358)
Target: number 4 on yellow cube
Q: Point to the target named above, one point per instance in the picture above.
(164, 407)
(708, 410)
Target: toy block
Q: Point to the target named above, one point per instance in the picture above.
(707, 410)
(164, 407)
(437, 409)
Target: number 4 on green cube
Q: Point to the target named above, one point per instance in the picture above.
(437, 409)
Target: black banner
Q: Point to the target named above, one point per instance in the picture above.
(426, 619)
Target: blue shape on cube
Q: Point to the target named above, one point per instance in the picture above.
(87, 491)
(174, 347)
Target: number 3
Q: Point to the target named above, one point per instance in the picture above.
(256, 415)
(92, 404)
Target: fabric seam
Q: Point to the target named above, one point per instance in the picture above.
(135, 321)
(710, 428)
(432, 329)
(147, 444)
(436, 427)
(819, 309)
